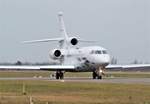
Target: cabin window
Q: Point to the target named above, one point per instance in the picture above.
(92, 52)
(104, 52)
(96, 52)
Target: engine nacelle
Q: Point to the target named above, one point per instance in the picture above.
(55, 54)
(74, 41)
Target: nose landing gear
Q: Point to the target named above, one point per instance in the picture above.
(97, 74)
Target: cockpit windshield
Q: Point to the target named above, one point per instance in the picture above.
(98, 52)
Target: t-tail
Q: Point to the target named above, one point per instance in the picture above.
(64, 41)
(62, 26)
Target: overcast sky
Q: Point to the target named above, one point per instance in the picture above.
(121, 26)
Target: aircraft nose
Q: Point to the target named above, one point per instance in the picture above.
(105, 59)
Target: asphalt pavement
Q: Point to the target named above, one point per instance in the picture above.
(86, 79)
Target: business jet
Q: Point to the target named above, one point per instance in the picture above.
(72, 58)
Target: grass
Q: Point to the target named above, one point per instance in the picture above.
(133, 74)
(42, 91)
(85, 74)
(73, 93)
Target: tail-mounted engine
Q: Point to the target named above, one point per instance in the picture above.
(55, 54)
(74, 41)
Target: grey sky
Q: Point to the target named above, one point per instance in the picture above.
(121, 26)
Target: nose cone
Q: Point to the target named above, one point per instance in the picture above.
(103, 60)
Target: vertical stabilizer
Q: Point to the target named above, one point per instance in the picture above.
(62, 26)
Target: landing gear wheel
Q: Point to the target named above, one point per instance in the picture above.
(94, 75)
(99, 77)
(59, 75)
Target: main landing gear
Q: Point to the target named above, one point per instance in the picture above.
(97, 74)
(59, 75)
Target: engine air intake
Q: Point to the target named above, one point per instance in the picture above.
(57, 53)
(74, 41)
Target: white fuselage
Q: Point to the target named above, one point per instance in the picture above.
(86, 58)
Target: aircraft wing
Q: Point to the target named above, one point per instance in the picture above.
(42, 67)
(130, 66)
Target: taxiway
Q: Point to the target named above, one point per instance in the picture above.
(86, 79)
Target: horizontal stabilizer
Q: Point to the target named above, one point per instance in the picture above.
(43, 40)
(87, 41)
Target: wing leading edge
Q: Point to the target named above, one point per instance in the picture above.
(68, 67)
(132, 66)
(42, 67)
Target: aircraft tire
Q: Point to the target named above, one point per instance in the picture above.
(99, 77)
(57, 75)
(61, 75)
(94, 75)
